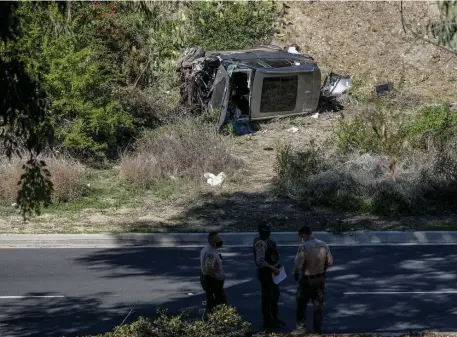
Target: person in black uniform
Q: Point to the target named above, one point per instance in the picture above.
(266, 255)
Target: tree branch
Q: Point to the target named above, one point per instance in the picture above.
(406, 28)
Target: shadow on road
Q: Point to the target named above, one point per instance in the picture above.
(370, 289)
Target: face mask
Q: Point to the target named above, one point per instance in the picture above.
(219, 244)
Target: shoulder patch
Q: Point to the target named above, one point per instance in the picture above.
(300, 250)
(260, 244)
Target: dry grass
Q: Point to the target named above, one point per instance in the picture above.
(419, 183)
(186, 149)
(11, 172)
(67, 176)
(365, 39)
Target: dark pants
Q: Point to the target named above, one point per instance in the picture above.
(270, 296)
(214, 291)
(311, 288)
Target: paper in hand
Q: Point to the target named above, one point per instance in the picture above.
(280, 277)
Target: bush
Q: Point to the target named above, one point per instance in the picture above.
(431, 124)
(223, 322)
(67, 176)
(232, 25)
(294, 169)
(186, 149)
(380, 129)
(422, 183)
(385, 130)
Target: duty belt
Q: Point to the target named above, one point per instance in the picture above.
(315, 275)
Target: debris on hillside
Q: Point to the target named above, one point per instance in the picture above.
(213, 180)
(384, 89)
(293, 129)
(334, 92)
(336, 85)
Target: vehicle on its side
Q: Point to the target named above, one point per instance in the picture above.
(253, 84)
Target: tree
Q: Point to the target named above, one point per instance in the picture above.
(446, 29)
(24, 119)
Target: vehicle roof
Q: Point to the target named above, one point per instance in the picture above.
(264, 57)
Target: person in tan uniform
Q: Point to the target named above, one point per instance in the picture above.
(212, 274)
(311, 263)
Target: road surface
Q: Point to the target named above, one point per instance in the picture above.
(56, 292)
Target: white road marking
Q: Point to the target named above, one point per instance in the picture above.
(22, 297)
(399, 292)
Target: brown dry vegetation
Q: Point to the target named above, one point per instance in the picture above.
(184, 150)
(160, 186)
(365, 39)
(67, 177)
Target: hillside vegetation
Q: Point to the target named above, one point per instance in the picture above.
(128, 158)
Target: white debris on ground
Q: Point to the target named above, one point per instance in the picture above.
(316, 115)
(292, 129)
(213, 180)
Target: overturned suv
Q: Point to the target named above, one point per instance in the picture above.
(254, 84)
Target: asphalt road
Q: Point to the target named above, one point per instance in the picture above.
(56, 292)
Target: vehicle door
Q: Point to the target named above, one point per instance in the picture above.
(219, 99)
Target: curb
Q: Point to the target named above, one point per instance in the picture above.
(356, 238)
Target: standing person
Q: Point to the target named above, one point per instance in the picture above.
(212, 274)
(266, 256)
(311, 262)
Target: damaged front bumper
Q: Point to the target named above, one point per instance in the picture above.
(336, 85)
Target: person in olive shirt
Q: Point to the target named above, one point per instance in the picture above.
(266, 255)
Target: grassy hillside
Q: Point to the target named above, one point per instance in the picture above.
(334, 168)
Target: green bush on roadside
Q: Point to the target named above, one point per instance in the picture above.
(225, 321)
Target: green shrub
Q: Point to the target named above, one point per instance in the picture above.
(77, 76)
(228, 25)
(294, 168)
(383, 129)
(225, 321)
(435, 124)
(380, 129)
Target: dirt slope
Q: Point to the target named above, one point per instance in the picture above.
(365, 39)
